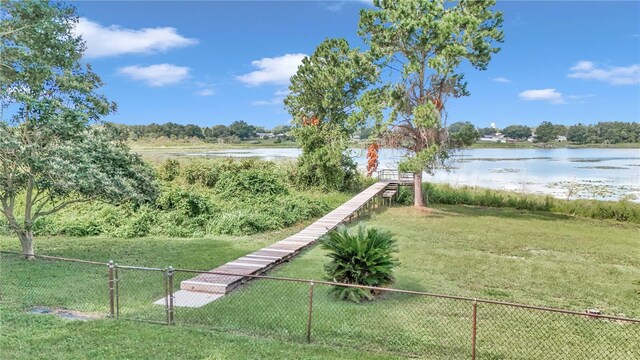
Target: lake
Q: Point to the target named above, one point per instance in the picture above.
(604, 174)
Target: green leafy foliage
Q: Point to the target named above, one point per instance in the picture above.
(463, 134)
(53, 150)
(517, 132)
(622, 210)
(362, 258)
(250, 183)
(169, 170)
(326, 88)
(545, 132)
(419, 47)
(235, 197)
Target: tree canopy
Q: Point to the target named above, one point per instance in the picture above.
(517, 132)
(545, 132)
(323, 101)
(53, 152)
(463, 134)
(419, 47)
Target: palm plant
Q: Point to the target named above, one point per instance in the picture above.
(362, 258)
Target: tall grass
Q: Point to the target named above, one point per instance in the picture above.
(622, 210)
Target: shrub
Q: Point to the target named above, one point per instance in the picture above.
(202, 173)
(169, 170)
(138, 224)
(188, 202)
(363, 258)
(244, 222)
(249, 183)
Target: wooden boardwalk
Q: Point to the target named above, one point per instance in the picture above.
(272, 255)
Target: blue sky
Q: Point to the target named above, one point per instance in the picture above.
(212, 63)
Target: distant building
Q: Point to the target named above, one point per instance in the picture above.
(561, 138)
(497, 137)
(264, 135)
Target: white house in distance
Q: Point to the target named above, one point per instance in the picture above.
(265, 135)
(497, 137)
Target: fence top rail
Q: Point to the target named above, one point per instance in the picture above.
(422, 293)
(331, 283)
(54, 258)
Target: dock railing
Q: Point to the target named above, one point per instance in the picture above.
(394, 175)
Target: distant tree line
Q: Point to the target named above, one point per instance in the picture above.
(459, 132)
(600, 133)
(237, 130)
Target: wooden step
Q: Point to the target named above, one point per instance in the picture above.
(389, 193)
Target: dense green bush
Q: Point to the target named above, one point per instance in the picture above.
(169, 170)
(363, 258)
(622, 210)
(212, 196)
(245, 184)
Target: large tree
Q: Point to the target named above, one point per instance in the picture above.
(53, 151)
(518, 132)
(421, 45)
(545, 132)
(324, 101)
(242, 130)
(463, 134)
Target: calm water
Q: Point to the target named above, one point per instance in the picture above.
(608, 174)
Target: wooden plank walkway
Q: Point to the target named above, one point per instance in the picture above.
(272, 255)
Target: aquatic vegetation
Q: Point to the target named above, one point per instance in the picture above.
(505, 170)
(603, 167)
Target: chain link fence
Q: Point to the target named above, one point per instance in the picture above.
(407, 323)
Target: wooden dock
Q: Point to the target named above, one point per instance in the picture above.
(270, 256)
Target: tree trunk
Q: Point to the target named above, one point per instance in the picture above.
(418, 199)
(26, 240)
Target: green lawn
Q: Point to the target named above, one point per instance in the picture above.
(516, 256)
(24, 336)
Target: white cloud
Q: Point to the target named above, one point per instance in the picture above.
(204, 89)
(501, 79)
(550, 95)
(283, 93)
(334, 5)
(578, 97)
(614, 75)
(275, 70)
(338, 5)
(205, 92)
(277, 99)
(156, 75)
(274, 101)
(114, 40)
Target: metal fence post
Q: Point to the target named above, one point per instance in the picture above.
(117, 292)
(473, 329)
(310, 312)
(170, 304)
(111, 293)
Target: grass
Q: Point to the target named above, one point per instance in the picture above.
(156, 152)
(26, 336)
(504, 254)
